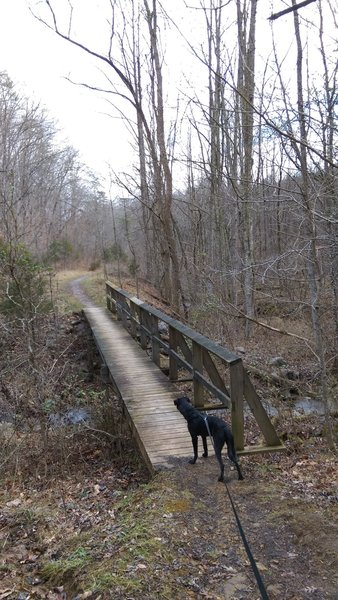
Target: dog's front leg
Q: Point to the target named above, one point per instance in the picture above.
(194, 440)
(205, 446)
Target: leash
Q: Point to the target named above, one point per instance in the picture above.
(250, 556)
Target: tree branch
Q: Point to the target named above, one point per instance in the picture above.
(290, 9)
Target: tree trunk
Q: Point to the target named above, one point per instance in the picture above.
(162, 172)
(246, 88)
(313, 271)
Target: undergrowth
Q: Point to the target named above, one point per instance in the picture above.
(130, 547)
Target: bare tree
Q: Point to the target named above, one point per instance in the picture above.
(152, 132)
(246, 22)
(290, 9)
(307, 214)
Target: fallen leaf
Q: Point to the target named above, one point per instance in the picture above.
(15, 502)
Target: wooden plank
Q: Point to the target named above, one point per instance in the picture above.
(237, 415)
(173, 366)
(197, 363)
(155, 346)
(170, 446)
(187, 353)
(180, 361)
(133, 320)
(169, 437)
(213, 389)
(174, 453)
(179, 438)
(260, 449)
(214, 375)
(259, 413)
(143, 336)
(211, 407)
(171, 420)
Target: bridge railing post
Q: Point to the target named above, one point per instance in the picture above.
(173, 366)
(143, 326)
(155, 346)
(109, 299)
(118, 306)
(197, 365)
(237, 414)
(133, 319)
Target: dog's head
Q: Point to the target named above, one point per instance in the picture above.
(179, 401)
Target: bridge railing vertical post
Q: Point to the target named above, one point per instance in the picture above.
(118, 306)
(155, 346)
(173, 366)
(125, 312)
(143, 324)
(237, 414)
(197, 365)
(109, 299)
(133, 319)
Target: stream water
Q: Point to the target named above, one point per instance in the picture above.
(301, 406)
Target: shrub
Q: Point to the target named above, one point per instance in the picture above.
(23, 282)
(113, 252)
(60, 250)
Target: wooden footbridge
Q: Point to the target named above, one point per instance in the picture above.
(148, 354)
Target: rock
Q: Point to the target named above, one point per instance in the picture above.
(277, 361)
(51, 341)
(71, 417)
(275, 591)
(163, 327)
(240, 350)
(292, 375)
(76, 415)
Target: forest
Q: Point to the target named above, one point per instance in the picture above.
(226, 219)
(229, 207)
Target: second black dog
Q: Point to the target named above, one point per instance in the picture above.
(219, 431)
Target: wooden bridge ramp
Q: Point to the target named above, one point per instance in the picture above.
(148, 396)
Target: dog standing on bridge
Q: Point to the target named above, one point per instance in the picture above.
(219, 431)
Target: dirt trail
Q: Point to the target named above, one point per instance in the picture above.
(293, 543)
(77, 291)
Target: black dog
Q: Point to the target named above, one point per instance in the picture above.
(219, 431)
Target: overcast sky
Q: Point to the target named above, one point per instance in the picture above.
(38, 61)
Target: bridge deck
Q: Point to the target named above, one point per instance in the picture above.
(159, 429)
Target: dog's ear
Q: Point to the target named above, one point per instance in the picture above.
(182, 399)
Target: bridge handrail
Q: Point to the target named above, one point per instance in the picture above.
(193, 335)
(139, 318)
